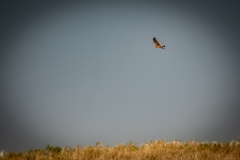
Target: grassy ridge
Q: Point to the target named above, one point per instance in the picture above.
(154, 150)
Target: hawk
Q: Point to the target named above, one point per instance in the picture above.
(157, 45)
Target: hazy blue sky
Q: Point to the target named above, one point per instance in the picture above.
(80, 72)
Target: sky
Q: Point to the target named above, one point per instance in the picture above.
(74, 73)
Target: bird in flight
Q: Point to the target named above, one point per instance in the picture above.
(157, 45)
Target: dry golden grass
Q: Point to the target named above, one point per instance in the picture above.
(154, 150)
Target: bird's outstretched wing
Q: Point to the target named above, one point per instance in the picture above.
(157, 45)
(156, 42)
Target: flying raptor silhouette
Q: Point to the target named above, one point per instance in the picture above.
(157, 45)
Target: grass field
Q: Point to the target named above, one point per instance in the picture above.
(154, 150)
